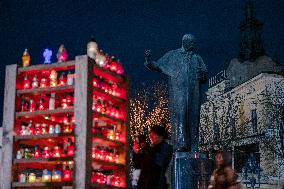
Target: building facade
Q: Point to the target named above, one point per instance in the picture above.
(248, 120)
(244, 111)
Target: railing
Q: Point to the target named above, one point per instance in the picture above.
(221, 76)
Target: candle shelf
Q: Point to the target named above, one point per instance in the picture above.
(58, 111)
(99, 71)
(47, 90)
(96, 185)
(69, 65)
(54, 125)
(103, 140)
(112, 164)
(41, 184)
(45, 136)
(107, 118)
(43, 160)
(102, 93)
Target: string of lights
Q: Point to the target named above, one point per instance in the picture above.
(147, 110)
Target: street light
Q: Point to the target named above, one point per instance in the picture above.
(251, 173)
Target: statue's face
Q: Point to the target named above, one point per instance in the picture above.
(188, 42)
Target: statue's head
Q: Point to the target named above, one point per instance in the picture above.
(188, 42)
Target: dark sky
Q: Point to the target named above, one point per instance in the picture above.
(125, 28)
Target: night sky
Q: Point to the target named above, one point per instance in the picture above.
(126, 28)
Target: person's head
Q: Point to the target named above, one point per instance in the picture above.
(157, 134)
(222, 159)
(188, 42)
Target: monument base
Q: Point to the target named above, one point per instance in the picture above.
(190, 171)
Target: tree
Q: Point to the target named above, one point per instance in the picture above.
(149, 106)
(273, 140)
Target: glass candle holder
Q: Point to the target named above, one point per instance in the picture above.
(93, 177)
(95, 153)
(116, 157)
(99, 108)
(44, 129)
(107, 109)
(67, 129)
(69, 100)
(41, 104)
(56, 152)
(119, 69)
(98, 178)
(113, 66)
(112, 112)
(24, 106)
(56, 176)
(26, 83)
(103, 155)
(70, 150)
(53, 75)
(53, 118)
(64, 103)
(19, 155)
(53, 78)
(51, 129)
(92, 49)
(32, 105)
(46, 152)
(46, 176)
(31, 128)
(116, 181)
(32, 178)
(53, 83)
(37, 129)
(62, 54)
(95, 82)
(47, 56)
(57, 129)
(110, 134)
(72, 119)
(62, 80)
(22, 178)
(66, 120)
(35, 83)
(70, 79)
(67, 174)
(101, 178)
(117, 136)
(51, 105)
(24, 130)
(26, 58)
(43, 82)
(37, 152)
(109, 157)
(26, 153)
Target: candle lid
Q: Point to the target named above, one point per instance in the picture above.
(26, 52)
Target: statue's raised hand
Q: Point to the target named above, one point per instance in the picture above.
(147, 55)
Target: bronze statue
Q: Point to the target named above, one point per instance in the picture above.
(186, 71)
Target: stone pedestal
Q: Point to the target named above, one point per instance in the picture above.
(190, 171)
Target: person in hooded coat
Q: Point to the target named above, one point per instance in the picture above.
(153, 160)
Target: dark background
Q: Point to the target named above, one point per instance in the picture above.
(125, 28)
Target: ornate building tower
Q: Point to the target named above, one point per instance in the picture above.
(251, 45)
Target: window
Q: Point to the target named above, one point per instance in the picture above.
(243, 153)
(253, 117)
